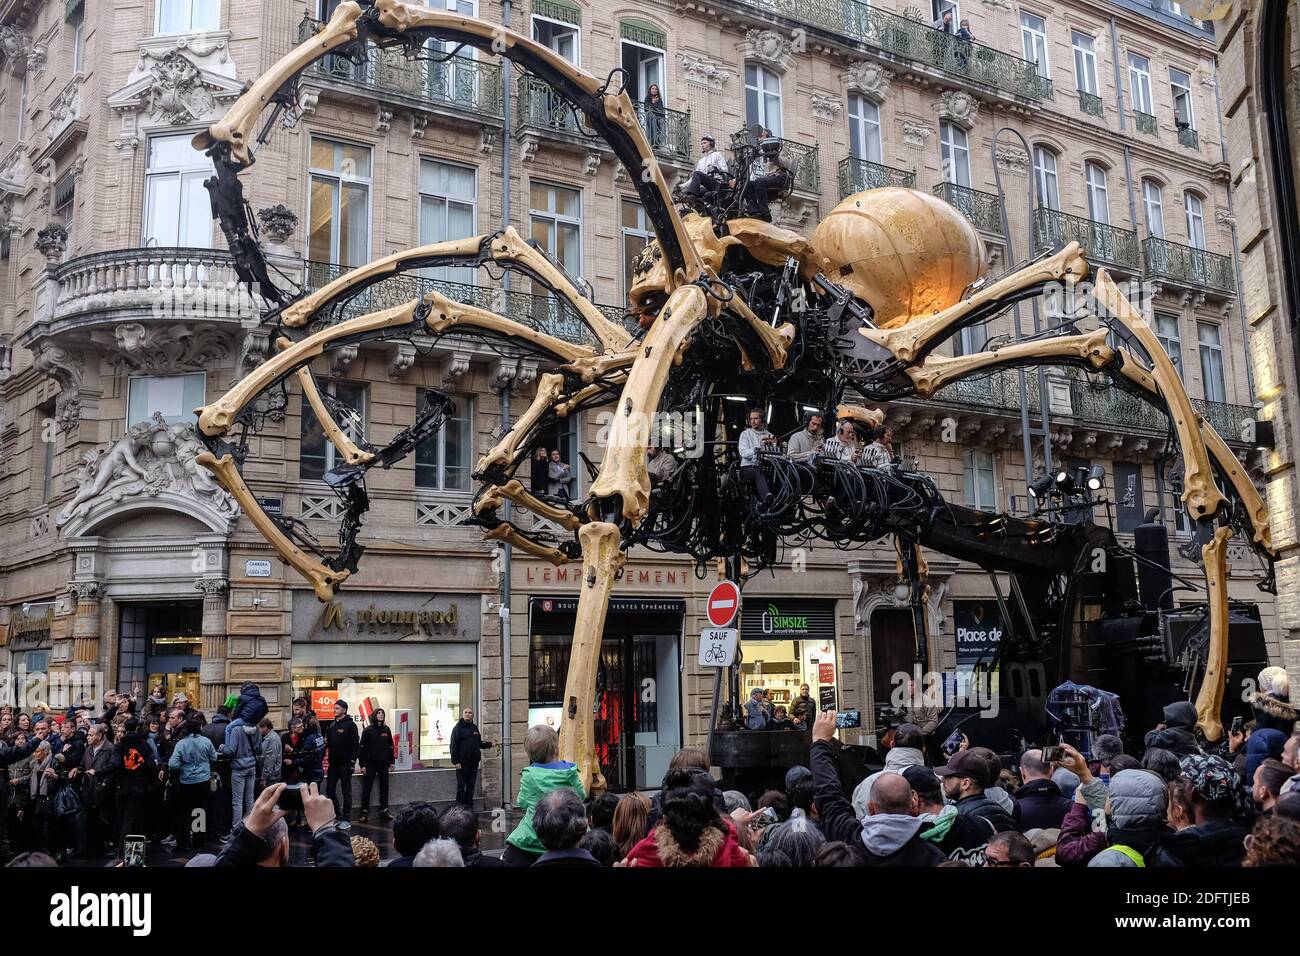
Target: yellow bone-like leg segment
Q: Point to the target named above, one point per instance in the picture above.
(1256, 509)
(338, 438)
(505, 533)
(908, 341)
(776, 342)
(623, 471)
(589, 369)
(601, 561)
(447, 314)
(549, 389)
(323, 580)
(1200, 494)
(938, 371)
(215, 419)
(871, 418)
(1209, 699)
(514, 491)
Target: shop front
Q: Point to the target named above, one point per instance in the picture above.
(27, 642)
(413, 655)
(638, 682)
(788, 642)
(160, 643)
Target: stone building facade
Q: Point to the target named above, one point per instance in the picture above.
(120, 312)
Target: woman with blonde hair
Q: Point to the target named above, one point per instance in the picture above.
(630, 821)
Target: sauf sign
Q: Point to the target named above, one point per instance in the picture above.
(77, 910)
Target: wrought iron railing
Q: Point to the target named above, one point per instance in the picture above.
(916, 40)
(434, 79)
(669, 131)
(1110, 244)
(1229, 420)
(1189, 266)
(855, 175)
(199, 282)
(984, 210)
(1090, 103)
(540, 107)
(1189, 137)
(546, 313)
(1145, 123)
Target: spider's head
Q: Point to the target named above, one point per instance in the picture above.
(651, 280)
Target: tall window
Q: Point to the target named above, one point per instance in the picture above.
(644, 66)
(442, 461)
(78, 24)
(1180, 84)
(864, 129)
(1139, 83)
(762, 98)
(47, 435)
(1170, 338)
(451, 75)
(65, 201)
(1085, 63)
(556, 218)
(1098, 199)
(346, 402)
(940, 7)
(448, 204)
(22, 107)
(980, 477)
(1033, 36)
(636, 234)
(1195, 213)
(338, 219)
(187, 16)
(563, 38)
(1153, 206)
(1045, 182)
(173, 396)
(956, 154)
(177, 209)
(1211, 346)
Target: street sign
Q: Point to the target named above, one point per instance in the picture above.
(717, 646)
(257, 568)
(723, 603)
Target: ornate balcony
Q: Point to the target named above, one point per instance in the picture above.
(855, 175)
(545, 313)
(539, 107)
(1189, 137)
(1227, 419)
(915, 40)
(669, 131)
(459, 84)
(984, 210)
(1145, 123)
(1100, 242)
(1186, 266)
(1091, 104)
(803, 159)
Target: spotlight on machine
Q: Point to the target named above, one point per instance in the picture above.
(1040, 487)
(1096, 478)
(1064, 481)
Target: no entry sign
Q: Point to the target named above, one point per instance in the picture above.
(724, 602)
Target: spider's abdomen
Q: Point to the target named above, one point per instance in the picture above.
(906, 253)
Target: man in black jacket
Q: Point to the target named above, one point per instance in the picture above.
(343, 745)
(965, 778)
(460, 824)
(958, 836)
(467, 746)
(263, 838)
(1177, 733)
(95, 775)
(1042, 804)
(376, 757)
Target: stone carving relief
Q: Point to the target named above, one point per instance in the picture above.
(68, 368)
(52, 242)
(825, 106)
(1013, 159)
(959, 107)
(278, 222)
(868, 78)
(151, 458)
(703, 71)
(170, 88)
(767, 47)
(916, 135)
(164, 348)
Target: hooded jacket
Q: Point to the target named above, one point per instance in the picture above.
(1262, 744)
(242, 746)
(1216, 842)
(717, 848)
(1137, 801)
(251, 705)
(135, 765)
(956, 834)
(1274, 711)
(894, 839)
(376, 749)
(535, 782)
(1179, 736)
(1042, 805)
(896, 761)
